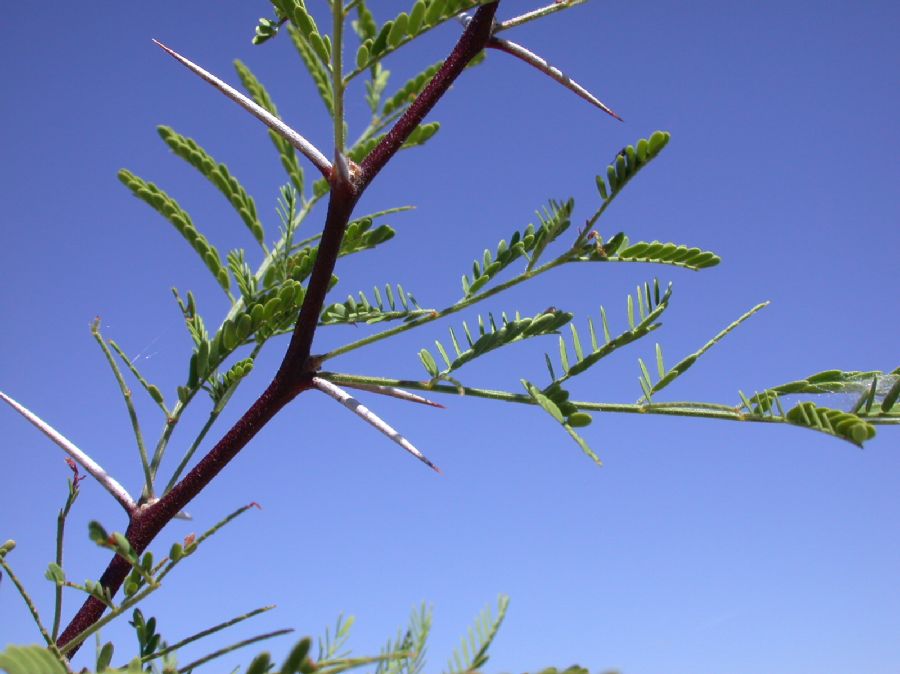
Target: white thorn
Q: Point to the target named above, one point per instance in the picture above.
(343, 169)
(180, 515)
(535, 14)
(86, 462)
(544, 66)
(308, 150)
(393, 392)
(370, 417)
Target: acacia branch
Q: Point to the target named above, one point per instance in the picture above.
(148, 520)
(297, 368)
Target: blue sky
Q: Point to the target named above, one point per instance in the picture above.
(702, 547)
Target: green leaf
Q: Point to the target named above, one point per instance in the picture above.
(833, 422)
(30, 660)
(104, 657)
(317, 68)
(222, 386)
(297, 657)
(683, 365)
(169, 209)
(528, 242)
(851, 382)
(404, 28)
(377, 311)
(266, 29)
(360, 236)
(219, 175)
(286, 151)
(654, 305)
(492, 337)
(554, 220)
(628, 162)
(97, 533)
(55, 574)
(678, 255)
(365, 25)
(472, 654)
(261, 664)
(406, 653)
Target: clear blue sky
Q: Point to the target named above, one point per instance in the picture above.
(701, 547)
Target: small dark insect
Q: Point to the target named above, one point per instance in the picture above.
(551, 310)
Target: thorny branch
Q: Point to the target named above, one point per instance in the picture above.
(298, 368)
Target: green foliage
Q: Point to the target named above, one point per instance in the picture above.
(265, 30)
(285, 150)
(29, 660)
(877, 391)
(491, 337)
(411, 643)
(104, 656)
(421, 135)
(169, 209)
(837, 423)
(149, 639)
(222, 386)
(472, 653)
(388, 307)
(317, 68)
(555, 401)
(667, 377)
(218, 175)
(650, 306)
(628, 162)
(674, 254)
(407, 93)
(360, 236)
(530, 243)
(378, 42)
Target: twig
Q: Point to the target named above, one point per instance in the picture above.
(224, 651)
(370, 417)
(205, 633)
(129, 404)
(306, 148)
(105, 479)
(34, 614)
(60, 537)
(544, 66)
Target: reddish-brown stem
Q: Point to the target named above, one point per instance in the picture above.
(344, 195)
(472, 41)
(297, 369)
(147, 521)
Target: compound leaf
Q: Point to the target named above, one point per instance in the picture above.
(837, 423)
(219, 175)
(491, 337)
(472, 653)
(651, 304)
(171, 211)
(382, 309)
